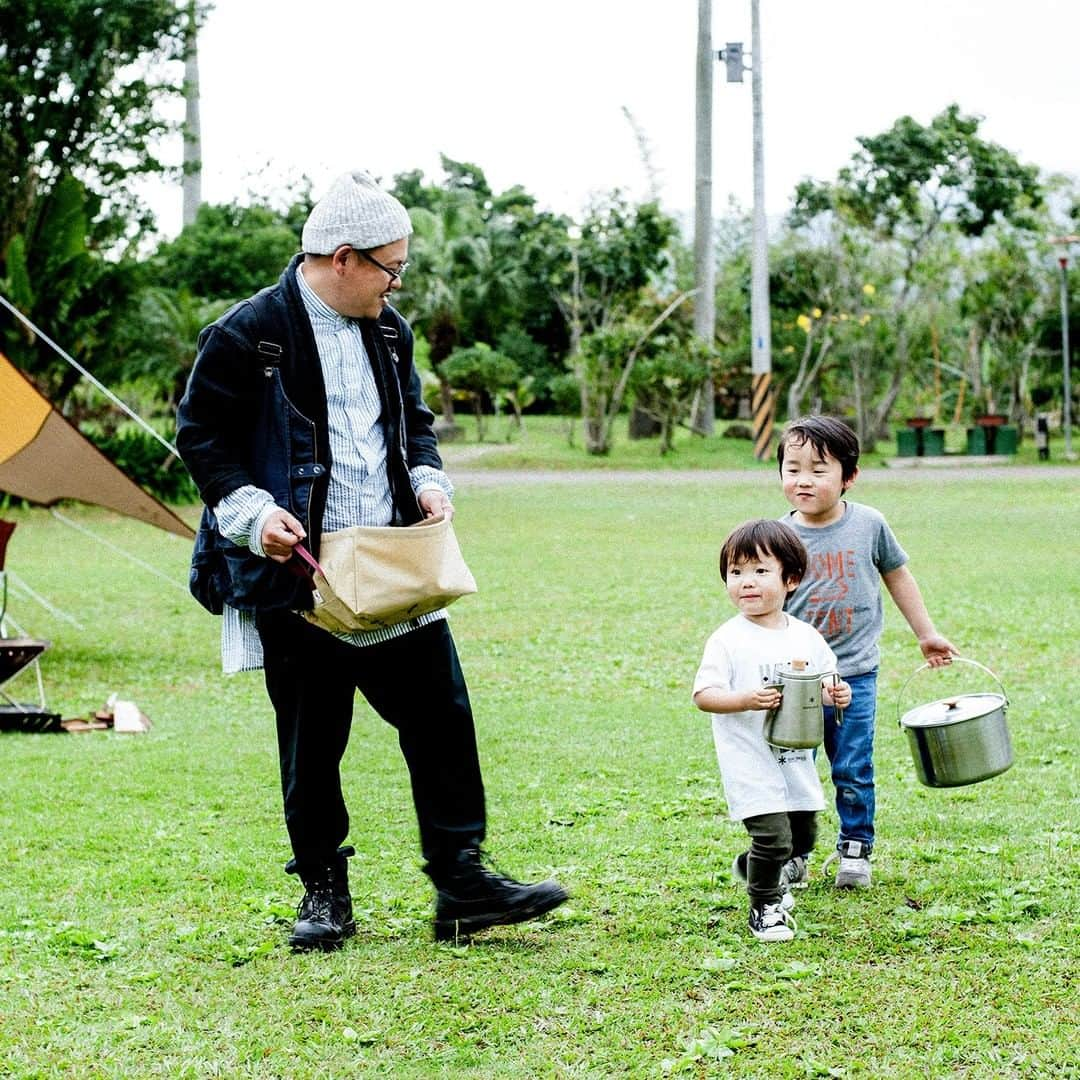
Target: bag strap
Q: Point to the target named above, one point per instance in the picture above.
(309, 558)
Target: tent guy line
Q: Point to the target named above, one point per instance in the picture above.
(82, 371)
(119, 551)
(24, 591)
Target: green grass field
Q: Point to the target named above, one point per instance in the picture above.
(144, 911)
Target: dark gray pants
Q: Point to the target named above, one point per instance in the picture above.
(774, 838)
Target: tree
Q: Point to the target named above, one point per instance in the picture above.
(912, 189)
(1007, 294)
(230, 251)
(81, 84)
(620, 251)
(480, 372)
(666, 384)
(65, 287)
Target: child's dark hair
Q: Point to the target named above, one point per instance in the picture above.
(828, 436)
(764, 536)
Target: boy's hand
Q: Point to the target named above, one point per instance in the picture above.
(937, 651)
(838, 694)
(765, 697)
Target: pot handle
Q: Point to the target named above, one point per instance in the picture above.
(838, 712)
(955, 660)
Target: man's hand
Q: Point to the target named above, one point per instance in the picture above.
(434, 503)
(937, 651)
(281, 533)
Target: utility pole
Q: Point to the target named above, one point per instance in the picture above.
(704, 255)
(192, 179)
(1066, 410)
(762, 393)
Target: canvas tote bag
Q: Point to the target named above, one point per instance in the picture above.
(370, 577)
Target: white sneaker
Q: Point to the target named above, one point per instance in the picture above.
(738, 872)
(771, 923)
(854, 869)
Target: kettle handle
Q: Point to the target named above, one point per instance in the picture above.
(955, 660)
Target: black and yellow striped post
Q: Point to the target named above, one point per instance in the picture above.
(763, 412)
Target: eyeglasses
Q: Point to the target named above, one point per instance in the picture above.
(394, 274)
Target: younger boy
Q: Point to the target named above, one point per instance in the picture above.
(774, 792)
(851, 551)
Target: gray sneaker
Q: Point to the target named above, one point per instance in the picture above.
(795, 873)
(854, 869)
(738, 872)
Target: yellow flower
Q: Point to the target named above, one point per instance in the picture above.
(803, 322)
(864, 320)
(868, 289)
(817, 313)
(788, 349)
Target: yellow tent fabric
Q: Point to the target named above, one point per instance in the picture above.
(45, 459)
(24, 411)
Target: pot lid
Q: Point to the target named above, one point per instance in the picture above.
(952, 710)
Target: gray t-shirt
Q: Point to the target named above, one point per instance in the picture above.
(841, 593)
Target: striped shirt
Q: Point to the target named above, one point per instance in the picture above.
(359, 492)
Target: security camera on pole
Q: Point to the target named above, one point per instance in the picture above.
(762, 395)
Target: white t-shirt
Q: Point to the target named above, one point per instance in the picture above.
(759, 778)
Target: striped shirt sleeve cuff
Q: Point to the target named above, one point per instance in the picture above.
(426, 478)
(242, 514)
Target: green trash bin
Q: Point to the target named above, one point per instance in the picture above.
(907, 442)
(1007, 439)
(933, 442)
(976, 440)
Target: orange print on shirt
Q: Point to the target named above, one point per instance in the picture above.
(826, 573)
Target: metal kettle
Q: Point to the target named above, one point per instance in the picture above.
(798, 722)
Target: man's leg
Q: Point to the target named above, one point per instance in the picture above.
(415, 683)
(312, 690)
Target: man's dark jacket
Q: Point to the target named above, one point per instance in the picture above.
(255, 413)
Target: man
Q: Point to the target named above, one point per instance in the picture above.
(303, 415)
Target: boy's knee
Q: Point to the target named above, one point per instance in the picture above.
(770, 835)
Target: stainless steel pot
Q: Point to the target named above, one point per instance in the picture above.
(958, 740)
(798, 723)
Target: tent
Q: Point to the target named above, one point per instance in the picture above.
(45, 459)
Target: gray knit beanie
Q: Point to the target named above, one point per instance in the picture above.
(357, 212)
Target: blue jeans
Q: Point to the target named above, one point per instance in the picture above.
(850, 749)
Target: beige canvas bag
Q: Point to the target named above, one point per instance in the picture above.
(370, 577)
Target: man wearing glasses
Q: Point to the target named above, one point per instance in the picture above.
(303, 415)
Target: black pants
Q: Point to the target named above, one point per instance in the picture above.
(415, 683)
(774, 838)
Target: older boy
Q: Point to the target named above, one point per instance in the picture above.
(851, 550)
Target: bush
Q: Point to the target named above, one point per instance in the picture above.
(145, 460)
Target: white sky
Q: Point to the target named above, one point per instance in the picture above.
(533, 92)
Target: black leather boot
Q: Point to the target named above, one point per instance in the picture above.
(470, 897)
(324, 918)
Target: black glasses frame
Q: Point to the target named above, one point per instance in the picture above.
(394, 274)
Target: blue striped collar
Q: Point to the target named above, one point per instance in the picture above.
(321, 314)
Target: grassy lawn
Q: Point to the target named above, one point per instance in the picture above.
(144, 910)
(545, 443)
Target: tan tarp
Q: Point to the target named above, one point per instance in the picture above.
(45, 459)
